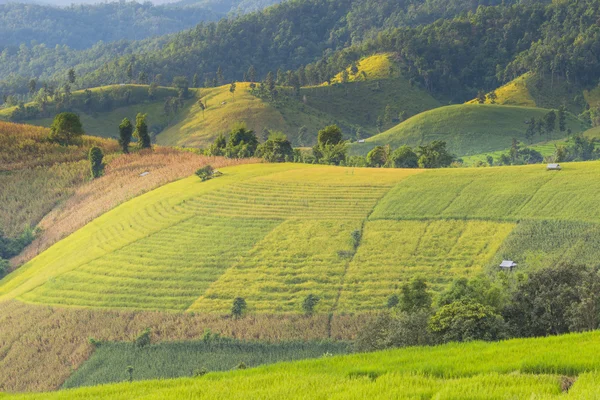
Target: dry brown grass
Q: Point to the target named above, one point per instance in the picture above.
(40, 346)
(25, 146)
(120, 183)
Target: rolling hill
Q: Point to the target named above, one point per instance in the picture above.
(563, 367)
(532, 90)
(467, 128)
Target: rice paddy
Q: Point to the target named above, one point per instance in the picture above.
(437, 250)
(273, 234)
(560, 367)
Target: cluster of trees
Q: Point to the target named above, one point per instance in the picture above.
(547, 125)
(49, 99)
(243, 143)
(310, 302)
(550, 301)
(432, 155)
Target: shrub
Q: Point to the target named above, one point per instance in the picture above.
(143, 339)
(241, 365)
(309, 304)
(463, 321)
(95, 157)
(66, 129)
(239, 307)
(205, 173)
(200, 372)
(393, 301)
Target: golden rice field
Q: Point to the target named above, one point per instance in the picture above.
(273, 234)
(559, 367)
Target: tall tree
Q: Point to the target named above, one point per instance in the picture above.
(125, 133)
(95, 157)
(232, 89)
(71, 76)
(252, 74)
(220, 77)
(141, 132)
(195, 81)
(562, 119)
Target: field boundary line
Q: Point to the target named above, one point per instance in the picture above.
(343, 278)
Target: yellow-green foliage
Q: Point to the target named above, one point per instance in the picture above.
(304, 256)
(515, 369)
(467, 128)
(378, 66)
(592, 133)
(592, 97)
(163, 249)
(514, 93)
(393, 252)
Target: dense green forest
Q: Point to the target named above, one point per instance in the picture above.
(81, 26)
(284, 36)
(453, 49)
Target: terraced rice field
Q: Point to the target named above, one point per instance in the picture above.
(273, 234)
(165, 249)
(437, 250)
(559, 367)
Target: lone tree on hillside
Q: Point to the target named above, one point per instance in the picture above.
(125, 133)
(232, 89)
(331, 134)
(66, 129)
(238, 308)
(202, 106)
(141, 132)
(96, 165)
(309, 304)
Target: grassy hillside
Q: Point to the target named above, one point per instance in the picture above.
(560, 367)
(194, 128)
(109, 362)
(468, 128)
(531, 90)
(104, 121)
(289, 233)
(35, 174)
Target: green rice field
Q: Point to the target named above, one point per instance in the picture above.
(559, 367)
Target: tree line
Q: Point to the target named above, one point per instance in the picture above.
(550, 301)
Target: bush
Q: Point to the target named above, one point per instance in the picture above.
(309, 304)
(66, 129)
(463, 321)
(239, 307)
(205, 173)
(200, 372)
(95, 157)
(143, 339)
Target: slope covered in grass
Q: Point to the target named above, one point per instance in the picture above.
(104, 120)
(273, 234)
(542, 368)
(166, 360)
(467, 129)
(150, 237)
(532, 90)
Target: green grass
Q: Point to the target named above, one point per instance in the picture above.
(166, 360)
(537, 244)
(468, 129)
(437, 250)
(514, 369)
(499, 193)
